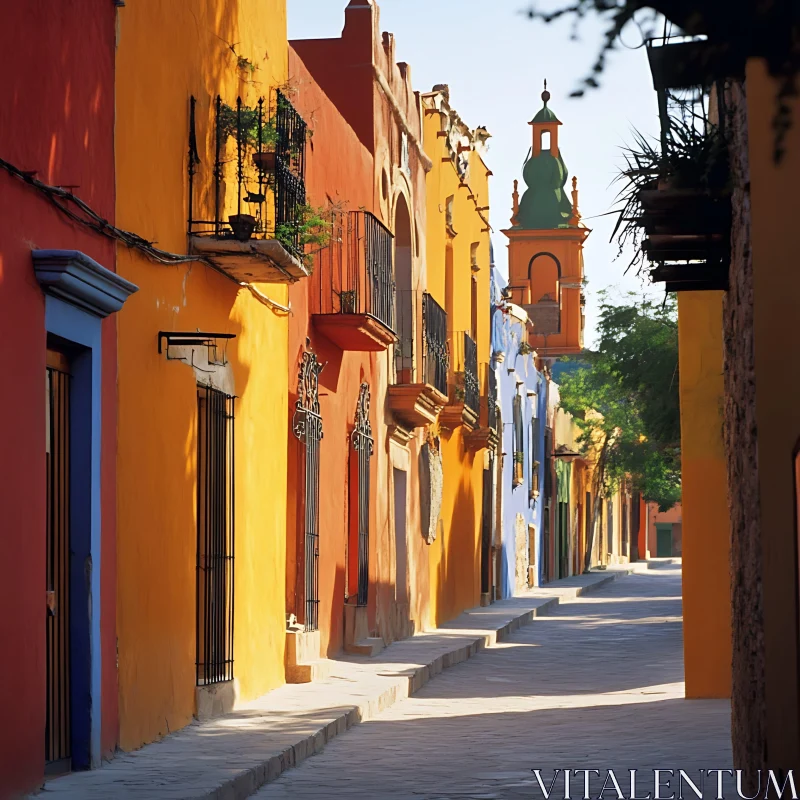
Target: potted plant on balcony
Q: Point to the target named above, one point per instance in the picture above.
(309, 227)
(675, 203)
(243, 226)
(256, 132)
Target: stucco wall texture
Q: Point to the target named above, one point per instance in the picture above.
(706, 527)
(157, 443)
(455, 556)
(57, 119)
(339, 174)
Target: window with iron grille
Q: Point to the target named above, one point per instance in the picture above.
(215, 536)
(363, 445)
(307, 427)
(518, 476)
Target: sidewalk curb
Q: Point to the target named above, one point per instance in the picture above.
(241, 780)
(245, 785)
(408, 683)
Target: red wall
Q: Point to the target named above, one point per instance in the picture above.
(339, 170)
(56, 117)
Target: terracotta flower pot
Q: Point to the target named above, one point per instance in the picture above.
(242, 226)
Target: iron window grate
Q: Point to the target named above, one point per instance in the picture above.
(215, 536)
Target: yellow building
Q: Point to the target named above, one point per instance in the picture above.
(706, 525)
(458, 278)
(203, 408)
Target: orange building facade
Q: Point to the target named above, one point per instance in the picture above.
(545, 251)
(371, 315)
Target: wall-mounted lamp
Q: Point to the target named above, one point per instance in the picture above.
(565, 453)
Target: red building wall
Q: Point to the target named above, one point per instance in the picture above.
(57, 119)
(339, 171)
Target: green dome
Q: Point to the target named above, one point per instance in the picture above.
(544, 204)
(545, 114)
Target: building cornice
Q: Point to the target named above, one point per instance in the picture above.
(77, 279)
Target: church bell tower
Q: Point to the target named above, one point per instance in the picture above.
(545, 244)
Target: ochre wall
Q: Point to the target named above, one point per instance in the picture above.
(455, 555)
(158, 398)
(56, 118)
(706, 527)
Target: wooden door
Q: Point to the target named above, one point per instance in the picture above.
(58, 753)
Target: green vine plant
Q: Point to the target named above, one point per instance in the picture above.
(311, 227)
(694, 159)
(245, 64)
(228, 126)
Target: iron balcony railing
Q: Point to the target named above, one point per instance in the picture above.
(256, 184)
(465, 370)
(426, 333)
(435, 355)
(355, 273)
(491, 399)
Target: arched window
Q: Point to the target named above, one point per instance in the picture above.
(544, 273)
(545, 140)
(403, 264)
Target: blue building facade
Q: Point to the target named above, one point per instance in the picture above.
(522, 399)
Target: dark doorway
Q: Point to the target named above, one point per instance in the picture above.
(58, 739)
(487, 576)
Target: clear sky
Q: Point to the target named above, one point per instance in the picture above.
(495, 61)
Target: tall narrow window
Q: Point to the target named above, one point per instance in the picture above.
(308, 429)
(535, 476)
(545, 140)
(215, 536)
(519, 443)
(363, 445)
(474, 308)
(405, 162)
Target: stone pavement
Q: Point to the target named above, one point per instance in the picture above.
(598, 684)
(231, 757)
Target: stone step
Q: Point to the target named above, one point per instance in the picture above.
(309, 672)
(369, 647)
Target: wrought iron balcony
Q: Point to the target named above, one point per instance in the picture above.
(354, 290)
(465, 392)
(247, 213)
(422, 360)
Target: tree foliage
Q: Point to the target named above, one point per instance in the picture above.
(757, 29)
(631, 382)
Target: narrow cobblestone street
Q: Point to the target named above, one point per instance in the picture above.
(596, 685)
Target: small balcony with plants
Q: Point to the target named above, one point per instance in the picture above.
(676, 195)
(421, 360)
(353, 298)
(248, 214)
(464, 388)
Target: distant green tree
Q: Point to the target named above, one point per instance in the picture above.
(624, 398)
